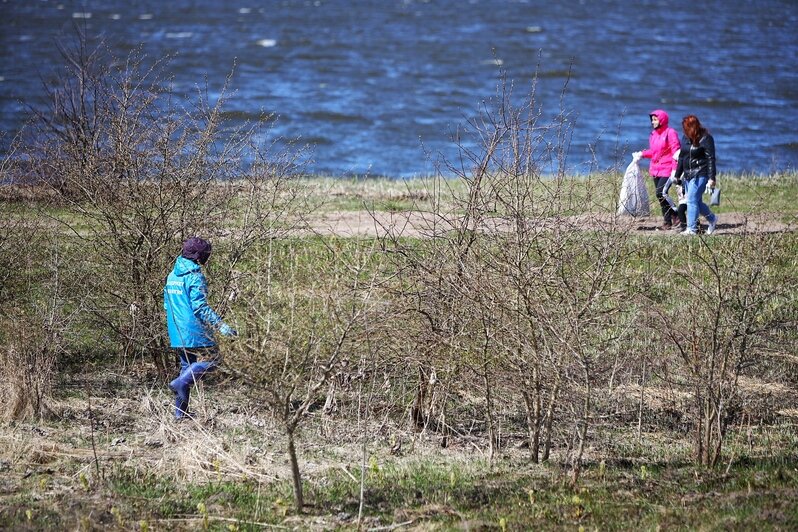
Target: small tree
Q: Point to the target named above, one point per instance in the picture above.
(731, 304)
(307, 313)
(515, 289)
(136, 172)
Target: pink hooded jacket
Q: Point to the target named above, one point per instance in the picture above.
(663, 143)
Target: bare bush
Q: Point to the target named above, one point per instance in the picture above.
(730, 311)
(16, 236)
(518, 301)
(306, 315)
(34, 331)
(136, 172)
(28, 365)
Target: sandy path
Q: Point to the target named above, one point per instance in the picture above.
(423, 224)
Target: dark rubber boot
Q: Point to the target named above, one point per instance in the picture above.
(182, 385)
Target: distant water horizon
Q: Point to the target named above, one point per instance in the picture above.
(379, 87)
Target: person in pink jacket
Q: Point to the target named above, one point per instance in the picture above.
(663, 143)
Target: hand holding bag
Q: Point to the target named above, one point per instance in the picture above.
(714, 197)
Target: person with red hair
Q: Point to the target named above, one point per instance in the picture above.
(696, 170)
(663, 144)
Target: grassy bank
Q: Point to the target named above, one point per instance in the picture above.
(741, 192)
(420, 367)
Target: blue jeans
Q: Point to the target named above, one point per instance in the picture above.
(694, 190)
(189, 355)
(191, 372)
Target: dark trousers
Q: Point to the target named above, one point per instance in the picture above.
(681, 212)
(667, 212)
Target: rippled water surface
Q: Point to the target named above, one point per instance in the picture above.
(377, 85)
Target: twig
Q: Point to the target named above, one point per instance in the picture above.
(640, 406)
(225, 519)
(393, 526)
(345, 470)
(93, 446)
(734, 449)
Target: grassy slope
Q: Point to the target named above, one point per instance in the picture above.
(48, 477)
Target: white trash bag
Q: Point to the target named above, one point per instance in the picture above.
(634, 195)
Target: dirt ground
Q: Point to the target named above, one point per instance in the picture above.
(422, 224)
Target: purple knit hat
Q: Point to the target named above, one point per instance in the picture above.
(197, 249)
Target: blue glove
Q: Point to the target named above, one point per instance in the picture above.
(226, 330)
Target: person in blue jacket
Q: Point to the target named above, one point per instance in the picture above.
(191, 321)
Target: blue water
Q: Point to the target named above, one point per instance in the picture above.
(379, 87)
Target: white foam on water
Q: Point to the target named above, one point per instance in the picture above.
(115, 16)
(245, 11)
(179, 35)
(267, 43)
(2, 79)
(495, 62)
(59, 6)
(534, 29)
(81, 15)
(146, 16)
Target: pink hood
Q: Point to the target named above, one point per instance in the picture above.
(662, 116)
(663, 142)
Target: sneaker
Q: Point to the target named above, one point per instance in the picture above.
(688, 232)
(678, 227)
(712, 225)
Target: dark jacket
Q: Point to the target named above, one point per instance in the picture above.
(697, 160)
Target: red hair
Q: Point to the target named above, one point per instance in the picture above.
(693, 129)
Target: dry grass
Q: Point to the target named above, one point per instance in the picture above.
(27, 365)
(232, 443)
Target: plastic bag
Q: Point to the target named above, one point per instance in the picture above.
(714, 197)
(634, 195)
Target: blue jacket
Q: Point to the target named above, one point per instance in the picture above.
(189, 318)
